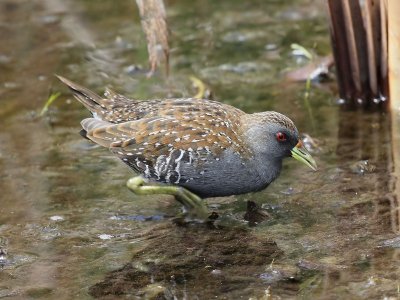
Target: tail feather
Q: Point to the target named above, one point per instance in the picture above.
(91, 126)
(89, 99)
(110, 135)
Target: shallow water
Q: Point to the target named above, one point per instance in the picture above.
(70, 227)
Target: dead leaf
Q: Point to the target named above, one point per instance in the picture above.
(313, 70)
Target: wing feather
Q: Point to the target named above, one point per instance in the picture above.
(171, 148)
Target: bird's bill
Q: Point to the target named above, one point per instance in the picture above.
(300, 153)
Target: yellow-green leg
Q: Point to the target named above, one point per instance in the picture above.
(191, 202)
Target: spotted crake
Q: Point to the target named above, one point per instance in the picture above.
(211, 148)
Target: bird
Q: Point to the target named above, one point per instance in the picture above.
(208, 147)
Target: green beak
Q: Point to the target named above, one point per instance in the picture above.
(300, 153)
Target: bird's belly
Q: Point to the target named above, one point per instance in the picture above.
(212, 177)
(227, 180)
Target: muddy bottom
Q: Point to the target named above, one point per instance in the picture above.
(186, 261)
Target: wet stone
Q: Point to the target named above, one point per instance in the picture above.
(393, 243)
(49, 19)
(255, 214)
(271, 47)
(271, 276)
(362, 167)
(4, 59)
(3, 257)
(242, 36)
(289, 191)
(4, 293)
(313, 145)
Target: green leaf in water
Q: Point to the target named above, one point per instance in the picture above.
(53, 97)
(307, 102)
(310, 284)
(303, 51)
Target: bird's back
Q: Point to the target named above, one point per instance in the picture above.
(116, 108)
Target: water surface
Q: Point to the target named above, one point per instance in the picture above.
(73, 230)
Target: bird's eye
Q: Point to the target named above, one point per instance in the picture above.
(280, 137)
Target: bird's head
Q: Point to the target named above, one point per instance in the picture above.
(274, 136)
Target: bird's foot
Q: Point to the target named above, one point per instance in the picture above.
(194, 206)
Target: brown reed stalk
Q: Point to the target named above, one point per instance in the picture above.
(358, 34)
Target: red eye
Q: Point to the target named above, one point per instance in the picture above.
(280, 137)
